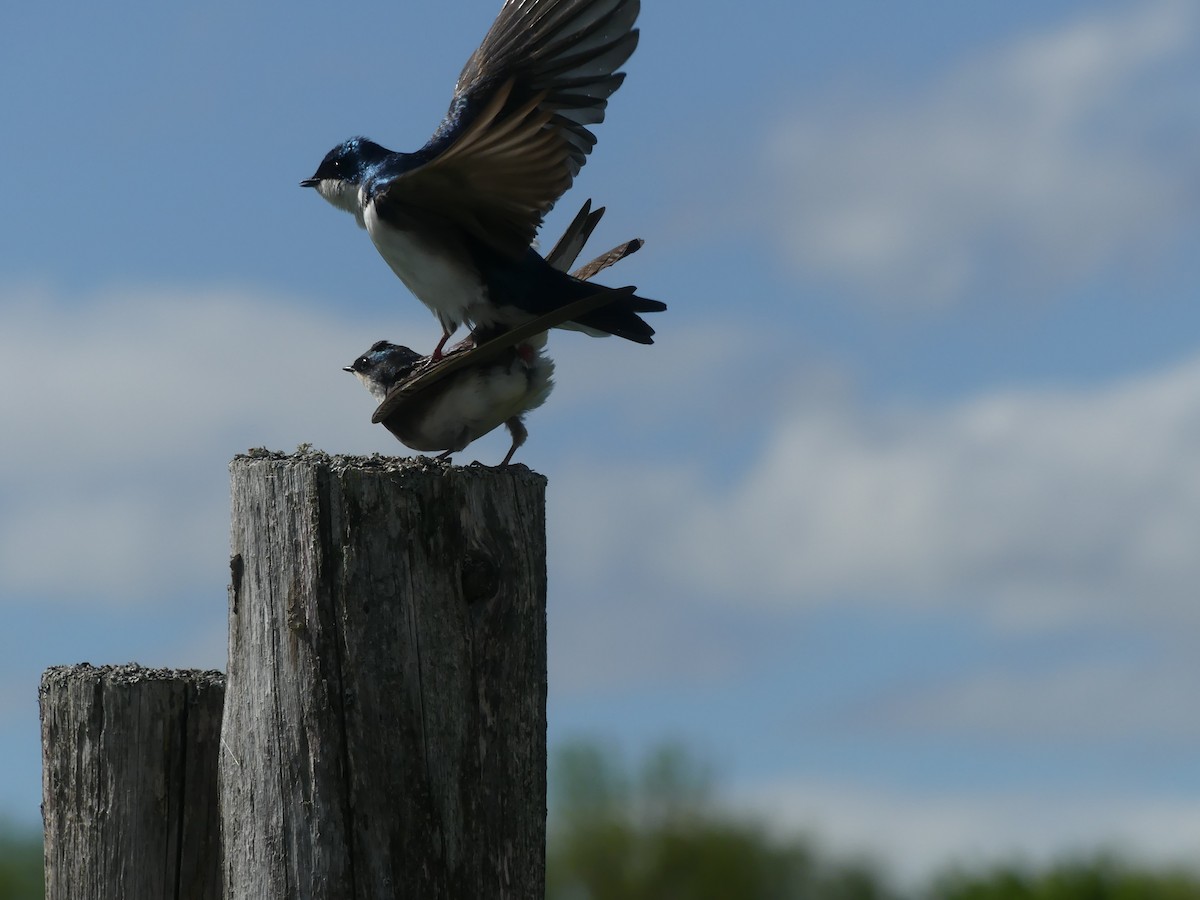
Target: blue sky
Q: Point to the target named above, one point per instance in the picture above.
(897, 520)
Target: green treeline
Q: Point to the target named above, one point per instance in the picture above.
(655, 831)
(20, 865)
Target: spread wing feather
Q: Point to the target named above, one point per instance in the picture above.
(517, 131)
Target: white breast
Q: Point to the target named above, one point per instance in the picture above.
(447, 288)
(472, 407)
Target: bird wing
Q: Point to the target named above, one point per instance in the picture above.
(409, 387)
(516, 133)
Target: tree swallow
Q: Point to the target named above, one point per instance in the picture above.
(488, 380)
(464, 406)
(455, 220)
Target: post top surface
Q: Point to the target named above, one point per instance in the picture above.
(336, 462)
(128, 673)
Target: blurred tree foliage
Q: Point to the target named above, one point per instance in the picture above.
(1098, 878)
(20, 865)
(657, 834)
(656, 831)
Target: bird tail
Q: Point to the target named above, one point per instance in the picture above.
(618, 314)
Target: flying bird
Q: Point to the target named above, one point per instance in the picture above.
(455, 220)
(490, 379)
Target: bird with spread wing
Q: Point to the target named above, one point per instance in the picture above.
(456, 219)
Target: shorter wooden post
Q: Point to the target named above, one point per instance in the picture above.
(129, 783)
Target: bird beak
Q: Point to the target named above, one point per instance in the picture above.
(349, 369)
(310, 182)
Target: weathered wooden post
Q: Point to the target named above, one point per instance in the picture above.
(129, 783)
(385, 716)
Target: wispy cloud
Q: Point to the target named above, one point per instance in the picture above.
(1043, 162)
(1033, 508)
(131, 403)
(1133, 703)
(915, 832)
(129, 407)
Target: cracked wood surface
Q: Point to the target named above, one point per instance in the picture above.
(385, 716)
(129, 783)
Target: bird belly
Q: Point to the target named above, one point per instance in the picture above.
(474, 404)
(443, 281)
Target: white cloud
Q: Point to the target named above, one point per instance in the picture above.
(125, 412)
(126, 540)
(609, 640)
(1031, 167)
(131, 376)
(1130, 703)
(1034, 508)
(131, 403)
(916, 832)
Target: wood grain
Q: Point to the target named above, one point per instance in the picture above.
(385, 718)
(129, 783)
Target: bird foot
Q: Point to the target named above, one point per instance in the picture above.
(437, 351)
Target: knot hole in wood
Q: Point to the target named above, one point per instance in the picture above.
(480, 577)
(237, 568)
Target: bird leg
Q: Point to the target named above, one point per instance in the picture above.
(437, 351)
(519, 432)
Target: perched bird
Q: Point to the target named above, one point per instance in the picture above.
(455, 220)
(464, 406)
(488, 380)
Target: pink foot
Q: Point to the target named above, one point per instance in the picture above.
(437, 351)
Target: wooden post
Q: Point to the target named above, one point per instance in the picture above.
(129, 783)
(385, 718)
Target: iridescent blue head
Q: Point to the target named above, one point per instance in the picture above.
(343, 169)
(382, 366)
